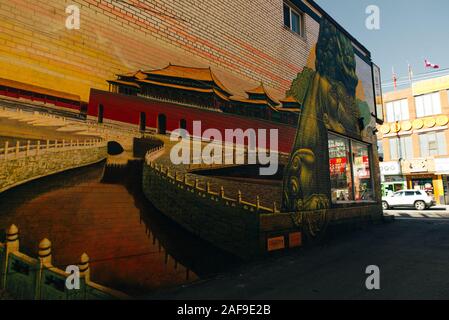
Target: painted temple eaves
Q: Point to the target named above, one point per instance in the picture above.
(200, 87)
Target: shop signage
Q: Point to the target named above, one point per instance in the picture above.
(418, 165)
(391, 168)
(276, 243)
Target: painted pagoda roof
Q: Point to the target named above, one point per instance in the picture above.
(187, 88)
(289, 99)
(139, 75)
(124, 83)
(192, 73)
(249, 101)
(38, 90)
(283, 109)
(260, 90)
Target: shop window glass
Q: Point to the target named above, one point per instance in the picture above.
(340, 169)
(350, 170)
(363, 185)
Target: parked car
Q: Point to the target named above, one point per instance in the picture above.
(408, 198)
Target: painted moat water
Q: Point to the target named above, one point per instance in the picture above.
(101, 211)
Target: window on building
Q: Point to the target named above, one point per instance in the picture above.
(350, 171)
(397, 110)
(428, 104)
(293, 19)
(401, 148)
(433, 144)
(363, 186)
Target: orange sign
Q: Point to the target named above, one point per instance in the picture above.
(294, 239)
(276, 243)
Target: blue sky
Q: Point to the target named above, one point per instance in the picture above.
(410, 31)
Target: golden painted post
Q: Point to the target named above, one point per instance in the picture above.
(17, 149)
(45, 252)
(12, 245)
(222, 192)
(63, 143)
(38, 147)
(239, 197)
(44, 263)
(28, 148)
(84, 267)
(208, 187)
(274, 207)
(48, 145)
(6, 149)
(257, 203)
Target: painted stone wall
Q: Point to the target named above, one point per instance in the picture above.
(17, 171)
(242, 41)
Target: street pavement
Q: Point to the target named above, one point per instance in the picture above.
(437, 212)
(411, 253)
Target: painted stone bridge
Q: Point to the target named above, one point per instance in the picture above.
(238, 214)
(53, 143)
(232, 215)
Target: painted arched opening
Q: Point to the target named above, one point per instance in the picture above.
(114, 148)
(162, 124)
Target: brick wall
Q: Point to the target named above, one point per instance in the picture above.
(243, 41)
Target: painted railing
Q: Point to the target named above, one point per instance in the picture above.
(36, 148)
(202, 187)
(23, 163)
(24, 277)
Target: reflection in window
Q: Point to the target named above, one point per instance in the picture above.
(340, 170)
(363, 186)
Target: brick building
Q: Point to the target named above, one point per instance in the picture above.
(414, 138)
(116, 37)
(304, 59)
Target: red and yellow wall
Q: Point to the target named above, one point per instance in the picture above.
(243, 43)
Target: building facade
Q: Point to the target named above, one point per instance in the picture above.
(413, 141)
(277, 60)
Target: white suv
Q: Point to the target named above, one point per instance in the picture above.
(408, 198)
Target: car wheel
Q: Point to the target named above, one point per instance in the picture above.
(385, 205)
(420, 205)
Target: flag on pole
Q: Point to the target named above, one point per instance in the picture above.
(395, 79)
(431, 65)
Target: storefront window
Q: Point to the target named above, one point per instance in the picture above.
(363, 186)
(340, 169)
(350, 170)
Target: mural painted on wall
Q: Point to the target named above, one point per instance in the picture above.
(335, 89)
(85, 141)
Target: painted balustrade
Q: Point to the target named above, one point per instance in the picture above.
(36, 148)
(25, 277)
(182, 181)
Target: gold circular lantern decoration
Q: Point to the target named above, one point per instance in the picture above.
(395, 127)
(385, 129)
(418, 124)
(442, 120)
(406, 126)
(430, 122)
